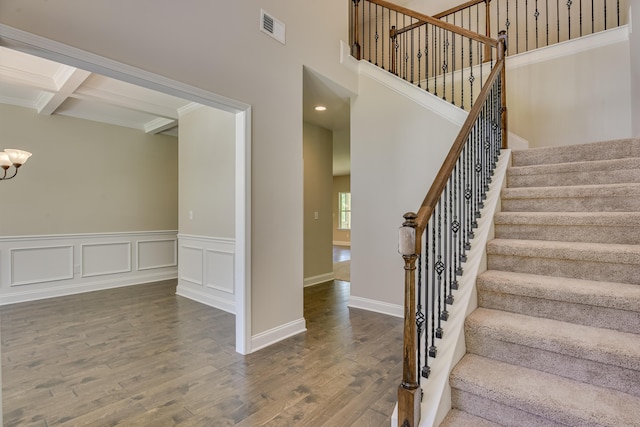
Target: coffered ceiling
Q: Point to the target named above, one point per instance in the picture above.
(52, 88)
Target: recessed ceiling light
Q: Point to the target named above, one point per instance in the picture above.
(321, 108)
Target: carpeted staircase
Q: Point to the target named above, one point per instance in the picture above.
(556, 338)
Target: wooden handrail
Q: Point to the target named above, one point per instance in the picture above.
(426, 19)
(433, 195)
(460, 7)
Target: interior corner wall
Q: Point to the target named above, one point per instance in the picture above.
(574, 99)
(207, 173)
(87, 177)
(397, 147)
(634, 52)
(318, 191)
(206, 239)
(341, 184)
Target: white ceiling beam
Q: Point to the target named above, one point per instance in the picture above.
(92, 94)
(159, 125)
(67, 80)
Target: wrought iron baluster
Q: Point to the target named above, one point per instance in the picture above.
(580, 18)
(382, 50)
(419, 56)
(432, 348)
(440, 267)
(445, 67)
(569, 3)
(471, 77)
(605, 14)
(507, 23)
(451, 244)
(419, 313)
(453, 67)
(435, 66)
(526, 25)
(546, 12)
(426, 55)
(426, 370)
(462, 69)
(455, 225)
(536, 14)
(558, 19)
(517, 28)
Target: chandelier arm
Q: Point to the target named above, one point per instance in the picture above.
(5, 177)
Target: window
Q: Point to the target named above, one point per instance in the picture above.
(344, 211)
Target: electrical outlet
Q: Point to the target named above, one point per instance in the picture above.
(76, 269)
(315, 215)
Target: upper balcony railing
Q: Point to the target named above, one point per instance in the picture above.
(532, 24)
(441, 58)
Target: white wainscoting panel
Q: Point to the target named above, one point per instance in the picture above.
(157, 254)
(37, 267)
(41, 264)
(219, 270)
(99, 259)
(190, 265)
(206, 270)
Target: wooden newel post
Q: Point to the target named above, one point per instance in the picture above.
(409, 392)
(502, 54)
(355, 46)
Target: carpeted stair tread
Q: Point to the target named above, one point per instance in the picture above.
(577, 198)
(616, 149)
(575, 173)
(601, 219)
(595, 252)
(593, 227)
(586, 302)
(457, 418)
(590, 261)
(540, 394)
(619, 296)
(596, 344)
(596, 190)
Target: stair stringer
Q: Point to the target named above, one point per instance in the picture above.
(436, 401)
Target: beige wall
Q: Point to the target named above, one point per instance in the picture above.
(86, 177)
(341, 184)
(397, 147)
(580, 98)
(207, 173)
(318, 184)
(217, 46)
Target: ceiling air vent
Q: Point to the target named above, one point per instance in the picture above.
(272, 27)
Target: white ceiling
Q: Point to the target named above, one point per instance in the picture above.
(52, 88)
(48, 88)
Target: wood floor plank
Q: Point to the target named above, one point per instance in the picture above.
(142, 356)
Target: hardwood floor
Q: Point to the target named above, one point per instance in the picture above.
(142, 356)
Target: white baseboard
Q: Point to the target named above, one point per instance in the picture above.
(205, 298)
(339, 243)
(394, 310)
(272, 336)
(321, 278)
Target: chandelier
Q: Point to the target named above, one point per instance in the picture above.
(12, 158)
